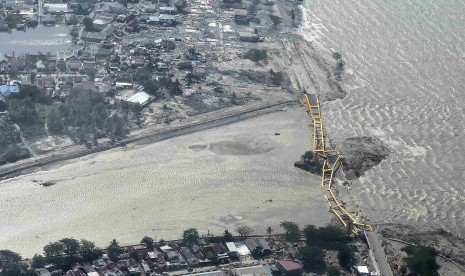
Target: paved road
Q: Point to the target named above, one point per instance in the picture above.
(378, 253)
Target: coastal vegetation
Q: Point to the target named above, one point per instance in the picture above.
(319, 240)
(421, 260)
(310, 162)
(312, 251)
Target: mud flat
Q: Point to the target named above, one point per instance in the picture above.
(201, 180)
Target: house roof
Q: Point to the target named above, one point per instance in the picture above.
(166, 17)
(8, 90)
(290, 265)
(143, 98)
(241, 12)
(231, 247)
(242, 248)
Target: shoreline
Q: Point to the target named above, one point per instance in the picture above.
(304, 75)
(154, 135)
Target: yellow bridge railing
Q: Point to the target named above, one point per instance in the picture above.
(331, 164)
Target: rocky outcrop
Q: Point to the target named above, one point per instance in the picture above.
(360, 154)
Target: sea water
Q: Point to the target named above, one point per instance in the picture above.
(408, 60)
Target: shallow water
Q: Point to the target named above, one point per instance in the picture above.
(408, 59)
(40, 39)
(160, 189)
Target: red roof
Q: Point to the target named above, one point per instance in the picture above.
(289, 265)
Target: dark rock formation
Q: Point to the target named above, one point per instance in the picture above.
(360, 154)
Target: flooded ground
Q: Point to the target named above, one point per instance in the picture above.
(239, 174)
(40, 39)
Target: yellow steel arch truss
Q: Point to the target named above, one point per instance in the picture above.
(331, 164)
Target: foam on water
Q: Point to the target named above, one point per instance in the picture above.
(408, 59)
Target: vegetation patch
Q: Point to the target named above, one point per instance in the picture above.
(310, 162)
(256, 55)
(421, 260)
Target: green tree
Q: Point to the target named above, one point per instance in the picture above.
(269, 231)
(38, 261)
(54, 119)
(71, 249)
(312, 258)
(116, 127)
(227, 236)
(421, 260)
(23, 112)
(291, 230)
(190, 235)
(89, 252)
(346, 257)
(114, 250)
(333, 271)
(9, 257)
(276, 77)
(328, 236)
(88, 24)
(244, 230)
(175, 88)
(54, 253)
(147, 241)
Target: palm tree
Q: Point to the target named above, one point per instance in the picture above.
(268, 231)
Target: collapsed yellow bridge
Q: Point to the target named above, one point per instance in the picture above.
(331, 164)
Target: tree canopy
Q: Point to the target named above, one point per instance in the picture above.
(89, 252)
(291, 230)
(346, 257)
(244, 230)
(327, 236)
(421, 260)
(190, 235)
(312, 258)
(148, 241)
(114, 250)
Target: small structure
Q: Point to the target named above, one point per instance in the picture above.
(249, 37)
(185, 65)
(168, 10)
(242, 248)
(49, 19)
(166, 19)
(53, 8)
(362, 270)
(289, 267)
(210, 273)
(252, 271)
(142, 99)
(9, 90)
(241, 16)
